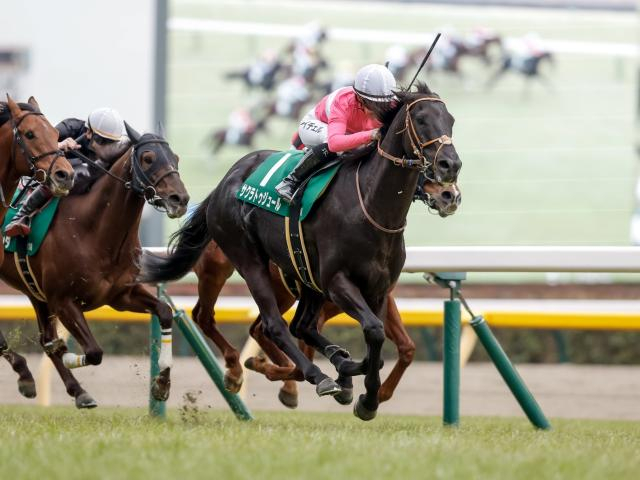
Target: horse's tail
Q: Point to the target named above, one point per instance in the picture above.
(185, 246)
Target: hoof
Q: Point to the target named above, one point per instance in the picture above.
(231, 384)
(252, 363)
(27, 389)
(289, 400)
(161, 386)
(362, 412)
(84, 400)
(327, 387)
(345, 397)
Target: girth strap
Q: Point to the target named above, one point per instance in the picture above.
(24, 270)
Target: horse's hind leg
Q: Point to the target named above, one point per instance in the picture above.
(347, 296)
(55, 348)
(213, 269)
(138, 299)
(26, 384)
(395, 331)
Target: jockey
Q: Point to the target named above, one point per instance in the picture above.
(103, 128)
(343, 120)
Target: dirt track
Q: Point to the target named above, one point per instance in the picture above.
(562, 390)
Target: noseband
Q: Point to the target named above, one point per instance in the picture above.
(143, 182)
(421, 163)
(31, 158)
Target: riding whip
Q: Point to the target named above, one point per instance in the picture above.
(424, 60)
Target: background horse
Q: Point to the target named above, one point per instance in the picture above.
(354, 240)
(28, 146)
(89, 258)
(213, 269)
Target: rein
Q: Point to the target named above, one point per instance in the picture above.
(141, 184)
(366, 214)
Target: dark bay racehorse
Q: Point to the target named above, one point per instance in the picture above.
(354, 240)
(213, 269)
(28, 147)
(90, 258)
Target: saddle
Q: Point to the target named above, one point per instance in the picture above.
(40, 224)
(259, 190)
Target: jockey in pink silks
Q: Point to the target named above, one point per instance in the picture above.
(341, 121)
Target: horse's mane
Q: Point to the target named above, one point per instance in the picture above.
(5, 113)
(386, 116)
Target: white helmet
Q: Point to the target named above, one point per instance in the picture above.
(107, 123)
(375, 82)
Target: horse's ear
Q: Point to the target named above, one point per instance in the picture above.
(13, 107)
(34, 104)
(160, 131)
(133, 135)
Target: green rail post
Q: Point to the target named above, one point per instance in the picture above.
(509, 373)
(157, 408)
(451, 362)
(210, 363)
(451, 345)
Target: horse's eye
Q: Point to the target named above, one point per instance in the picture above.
(29, 134)
(147, 158)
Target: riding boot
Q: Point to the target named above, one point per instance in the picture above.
(306, 166)
(21, 223)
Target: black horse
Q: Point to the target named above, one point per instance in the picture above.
(353, 239)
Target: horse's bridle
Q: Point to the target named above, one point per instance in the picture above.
(31, 159)
(421, 163)
(142, 182)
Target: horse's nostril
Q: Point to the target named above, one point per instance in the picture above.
(61, 175)
(175, 199)
(447, 195)
(444, 165)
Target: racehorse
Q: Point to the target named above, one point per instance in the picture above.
(89, 257)
(213, 269)
(28, 147)
(528, 66)
(354, 241)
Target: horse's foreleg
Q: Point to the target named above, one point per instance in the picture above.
(395, 331)
(348, 296)
(138, 299)
(329, 310)
(71, 316)
(305, 326)
(26, 384)
(256, 274)
(213, 269)
(55, 348)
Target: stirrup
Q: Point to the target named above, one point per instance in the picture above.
(286, 189)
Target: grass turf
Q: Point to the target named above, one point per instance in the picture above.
(107, 443)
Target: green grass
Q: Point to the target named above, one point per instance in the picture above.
(107, 443)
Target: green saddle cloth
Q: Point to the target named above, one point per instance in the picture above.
(39, 225)
(259, 188)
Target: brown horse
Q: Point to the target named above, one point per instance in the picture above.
(28, 147)
(213, 269)
(354, 241)
(90, 256)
